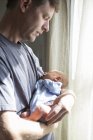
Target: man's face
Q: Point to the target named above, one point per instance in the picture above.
(37, 21)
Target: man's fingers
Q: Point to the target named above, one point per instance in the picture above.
(54, 111)
(62, 105)
(61, 114)
(57, 117)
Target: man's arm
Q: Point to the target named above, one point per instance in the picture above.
(12, 127)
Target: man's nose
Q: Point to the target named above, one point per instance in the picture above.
(46, 26)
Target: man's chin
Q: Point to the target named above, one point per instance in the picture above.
(32, 39)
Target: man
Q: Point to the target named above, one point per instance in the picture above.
(19, 69)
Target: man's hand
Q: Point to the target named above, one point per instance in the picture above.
(62, 105)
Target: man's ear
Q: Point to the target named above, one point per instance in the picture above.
(24, 5)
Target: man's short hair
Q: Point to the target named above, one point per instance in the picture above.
(12, 3)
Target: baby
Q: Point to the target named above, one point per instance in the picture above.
(47, 89)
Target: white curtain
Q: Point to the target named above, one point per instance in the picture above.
(70, 49)
(57, 40)
(57, 53)
(81, 69)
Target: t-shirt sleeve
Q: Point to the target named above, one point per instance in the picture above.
(7, 98)
(39, 69)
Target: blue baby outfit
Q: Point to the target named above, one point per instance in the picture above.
(46, 91)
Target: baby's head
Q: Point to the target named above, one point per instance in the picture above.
(56, 76)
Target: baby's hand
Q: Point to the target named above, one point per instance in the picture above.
(41, 111)
(25, 114)
(45, 109)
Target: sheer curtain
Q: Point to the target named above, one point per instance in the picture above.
(57, 53)
(70, 49)
(81, 69)
(57, 40)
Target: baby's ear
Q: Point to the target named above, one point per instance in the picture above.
(57, 79)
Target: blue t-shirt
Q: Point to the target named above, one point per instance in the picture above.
(19, 71)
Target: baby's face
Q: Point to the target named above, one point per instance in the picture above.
(54, 76)
(57, 77)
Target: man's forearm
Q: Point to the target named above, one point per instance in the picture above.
(17, 128)
(34, 130)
